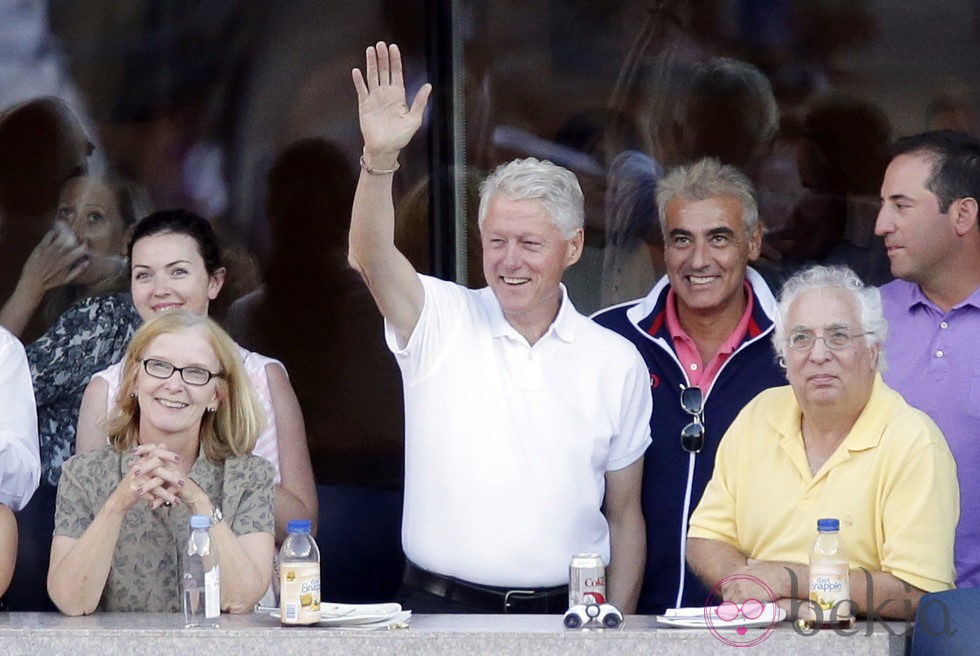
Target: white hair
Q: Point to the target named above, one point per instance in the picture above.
(556, 187)
(867, 299)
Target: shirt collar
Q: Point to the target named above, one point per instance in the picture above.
(914, 296)
(563, 326)
(866, 432)
(871, 423)
(731, 343)
(649, 313)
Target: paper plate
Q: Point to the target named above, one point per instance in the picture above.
(332, 614)
(693, 618)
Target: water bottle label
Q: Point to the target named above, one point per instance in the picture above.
(830, 589)
(212, 593)
(299, 593)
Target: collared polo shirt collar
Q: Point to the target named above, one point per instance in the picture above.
(914, 296)
(563, 326)
(865, 434)
(649, 315)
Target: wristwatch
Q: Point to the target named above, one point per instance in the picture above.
(216, 515)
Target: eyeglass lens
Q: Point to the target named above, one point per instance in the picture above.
(835, 341)
(692, 400)
(190, 375)
(692, 437)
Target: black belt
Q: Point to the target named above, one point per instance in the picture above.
(488, 598)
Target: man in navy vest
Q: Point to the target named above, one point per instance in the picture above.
(704, 328)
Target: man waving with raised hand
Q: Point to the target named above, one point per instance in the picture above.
(526, 423)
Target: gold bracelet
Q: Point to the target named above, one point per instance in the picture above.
(379, 171)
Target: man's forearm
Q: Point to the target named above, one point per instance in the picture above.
(883, 595)
(627, 535)
(713, 560)
(625, 573)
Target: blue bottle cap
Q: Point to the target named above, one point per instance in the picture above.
(298, 526)
(200, 521)
(828, 525)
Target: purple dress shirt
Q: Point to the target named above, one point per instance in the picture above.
(934, 361)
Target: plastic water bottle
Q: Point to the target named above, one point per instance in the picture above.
(830, 588)
(201, 584)
(299, 576)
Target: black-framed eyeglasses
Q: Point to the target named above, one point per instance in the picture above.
(836, 340)
(692, 435)
(190, 375)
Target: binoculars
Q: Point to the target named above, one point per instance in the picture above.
(601, 615)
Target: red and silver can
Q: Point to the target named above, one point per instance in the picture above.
(586, 580)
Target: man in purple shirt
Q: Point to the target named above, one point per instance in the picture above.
(929, 223)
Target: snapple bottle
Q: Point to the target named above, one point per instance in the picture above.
(830, 589)
(299, 576)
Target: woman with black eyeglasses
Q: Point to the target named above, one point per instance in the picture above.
(175, 264)
(181, 437)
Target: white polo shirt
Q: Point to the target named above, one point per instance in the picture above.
(20, 461)
(507, 445)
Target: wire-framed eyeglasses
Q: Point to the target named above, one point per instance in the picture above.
(190, 375)
(692, 435)
(835, 340)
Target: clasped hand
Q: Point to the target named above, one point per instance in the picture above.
(155, 477)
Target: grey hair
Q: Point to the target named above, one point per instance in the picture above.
(704, 179)
(867, 298)
(523, 179)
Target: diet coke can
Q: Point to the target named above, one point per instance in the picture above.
(586, 580)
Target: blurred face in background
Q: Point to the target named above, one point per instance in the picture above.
(89, 207)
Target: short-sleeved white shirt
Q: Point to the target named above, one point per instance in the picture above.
(267, 442)
(506, 444)
(20, 461)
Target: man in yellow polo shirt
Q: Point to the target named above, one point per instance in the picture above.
(837, 442)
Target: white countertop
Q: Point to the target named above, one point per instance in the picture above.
(159, 634)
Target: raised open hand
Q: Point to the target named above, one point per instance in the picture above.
(387, 122)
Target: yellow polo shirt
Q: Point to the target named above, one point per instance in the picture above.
(891, 482)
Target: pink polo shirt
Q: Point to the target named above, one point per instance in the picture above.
(687, 350)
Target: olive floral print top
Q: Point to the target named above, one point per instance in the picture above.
(145, 572)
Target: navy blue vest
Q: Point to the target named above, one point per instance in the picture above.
(750, 369)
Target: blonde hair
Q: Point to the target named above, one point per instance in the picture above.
(231, 430)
